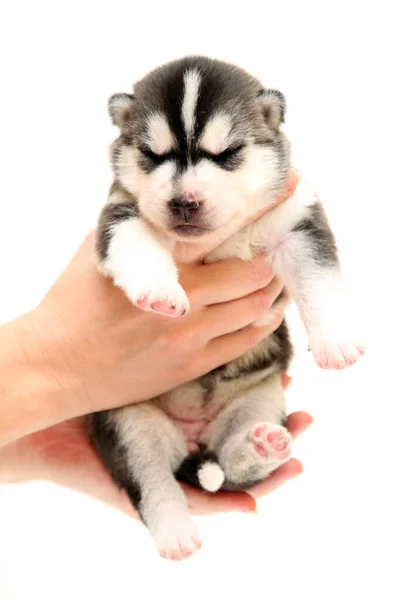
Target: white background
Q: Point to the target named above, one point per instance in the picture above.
(333, 533)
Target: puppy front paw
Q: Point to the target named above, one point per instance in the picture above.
(336, 353)
(169, 300)
(162, 297)
(154, 291)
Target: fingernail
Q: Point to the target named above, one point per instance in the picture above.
(293, 179)
(250, 505)
(299, 469)
(251, 511)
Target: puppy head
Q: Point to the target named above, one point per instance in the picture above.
(199, 142)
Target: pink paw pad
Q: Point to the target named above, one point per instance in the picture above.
(162, 307)
(271, 441)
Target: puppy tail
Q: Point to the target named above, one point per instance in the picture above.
(202, 470)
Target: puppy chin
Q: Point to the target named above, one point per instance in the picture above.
(189, 233)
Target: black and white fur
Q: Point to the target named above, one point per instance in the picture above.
(201, 143)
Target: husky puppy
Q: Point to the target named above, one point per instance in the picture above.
(200, 142)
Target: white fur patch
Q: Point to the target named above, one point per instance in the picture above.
(211, 476)
(130, 174)
(192, 80)
(216, 134)
(140, 262)
(159, 134)
(153, 190)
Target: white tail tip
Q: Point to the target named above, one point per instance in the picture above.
(211, 476)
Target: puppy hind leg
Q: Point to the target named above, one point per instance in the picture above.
(248, 436)
(142, 448)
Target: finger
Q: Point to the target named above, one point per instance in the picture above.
(225, 348)
(202, 503)
(289, 187)
(287, 190)
(226, 280)
(221, 319)
(287, 471)
(286, 380)
(298, 422)
(274, 317)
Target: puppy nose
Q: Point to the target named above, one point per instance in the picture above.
(185, 209)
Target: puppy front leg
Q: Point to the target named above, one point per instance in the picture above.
(306, 260)
(138, 258)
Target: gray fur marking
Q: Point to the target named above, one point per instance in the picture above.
(316, 228)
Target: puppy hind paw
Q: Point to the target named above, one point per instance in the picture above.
(178, 540)
(273, 442)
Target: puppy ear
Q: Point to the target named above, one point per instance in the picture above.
(119, 107)
(273, 105)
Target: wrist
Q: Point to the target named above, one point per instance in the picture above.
(35, 389)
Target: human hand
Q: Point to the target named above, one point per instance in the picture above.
(63, 454)
(86, 348)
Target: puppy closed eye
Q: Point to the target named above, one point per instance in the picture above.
(229, 158)
(153, 156)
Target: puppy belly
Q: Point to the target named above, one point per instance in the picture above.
(192, 431)
(189, 412)
(193, 428)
